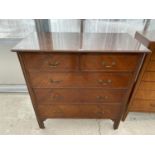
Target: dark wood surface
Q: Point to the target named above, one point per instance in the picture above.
(80, 42)
(51, 62)
(80, 80)
(73, 75)
(76, 96)
(143, 96)
(79, 111)
(141, 105)
(109, 62)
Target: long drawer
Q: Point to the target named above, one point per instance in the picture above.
(51, 61)
(80, 80)
(109, 62)
(143, 105)
(76, 96)
(79, 111)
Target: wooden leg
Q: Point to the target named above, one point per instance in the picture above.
(41, 124)
(116, 124)
(124, 116)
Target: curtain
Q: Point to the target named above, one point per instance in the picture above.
(151, 25)
(101, 25)
(19, 28)
(65, 25)
(114, 25)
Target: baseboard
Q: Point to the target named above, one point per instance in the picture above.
(21, 88)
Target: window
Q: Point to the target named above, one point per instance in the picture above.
(16, 28)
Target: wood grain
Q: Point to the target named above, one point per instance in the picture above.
(80, 80)
(76, 96)
(153, 55)
(145, 94)
(147, 85)
(51, 62)
(141, 105)
(151, 66)
(109, 62)
(79, 111)
(149, 76)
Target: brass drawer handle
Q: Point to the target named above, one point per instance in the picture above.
(108, 66)
(56, 97)
(57, 111)
(55, 81)
(104, 82)
(54, 64)
(102, 97)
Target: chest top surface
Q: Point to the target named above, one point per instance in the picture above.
(79, 42)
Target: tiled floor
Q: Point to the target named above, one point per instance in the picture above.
(17, 117)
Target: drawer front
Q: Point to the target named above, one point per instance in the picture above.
(151, 66)
(147, 85)
(153, 55)
(76, 96)
(79, 111)
(145, 94)
(51, 62)
(149, 76)
(109, 62)
(143, 105)
(82, 80)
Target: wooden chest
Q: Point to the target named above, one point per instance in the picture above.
(74, 75)
(143, 97)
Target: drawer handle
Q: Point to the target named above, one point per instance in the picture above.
(108, 66)
(56, 97)
(57, 111)
(55, 81)
(152, 105)
(102, 97)
(104, 82)
(54, 64)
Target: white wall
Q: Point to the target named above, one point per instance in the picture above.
(10, 71)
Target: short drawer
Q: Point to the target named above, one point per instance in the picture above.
(80, 80)
(79, 111)
(143, 105)
(109, 62)
(50, 62)
(145, 94)
(76, 96)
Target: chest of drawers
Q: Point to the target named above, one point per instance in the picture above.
(143, 97)
(73, 75)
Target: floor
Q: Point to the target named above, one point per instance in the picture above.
(17, 117)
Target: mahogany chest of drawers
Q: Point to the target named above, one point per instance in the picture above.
(143, 97)
(74, 75)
